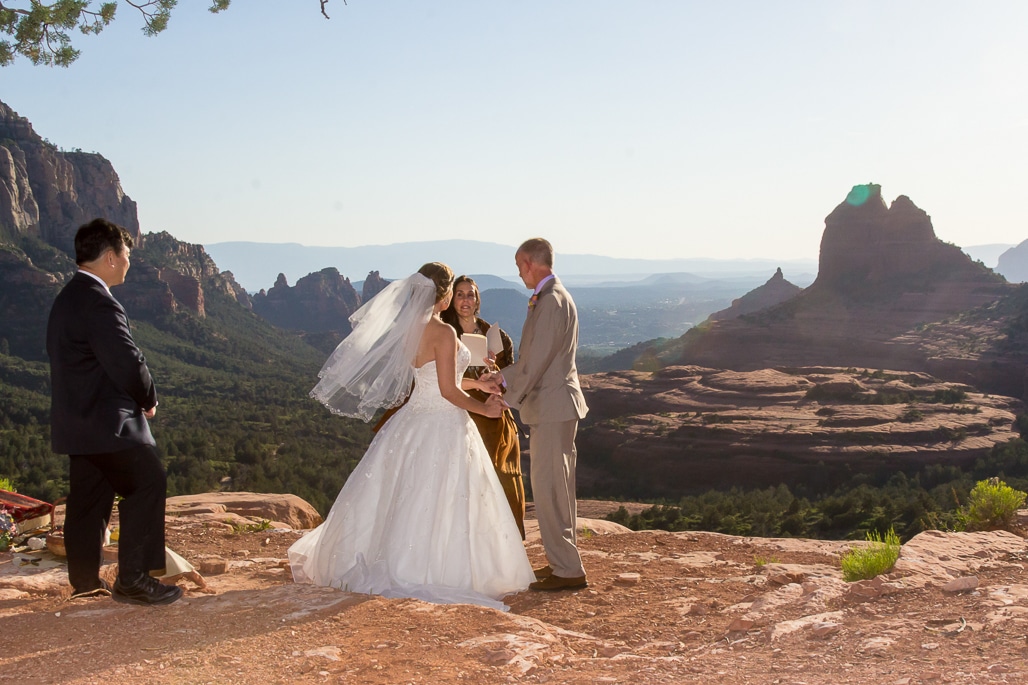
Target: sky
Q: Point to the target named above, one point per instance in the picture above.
(642, 129)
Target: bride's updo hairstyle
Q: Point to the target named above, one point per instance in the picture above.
(441, 275)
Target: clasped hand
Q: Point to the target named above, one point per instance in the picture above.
(492, 382)
(494, 406)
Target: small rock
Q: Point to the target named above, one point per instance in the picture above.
(786, 577)
(930, 645)
(499, 657)
(863, 589)
(891, 588)
(999, 668)
(962, 584)
(697, 610)
(329, 652)
(213, 567)
(825, 629)
(628, 579)
(740, 624)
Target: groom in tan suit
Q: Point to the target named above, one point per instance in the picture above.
(543, 386)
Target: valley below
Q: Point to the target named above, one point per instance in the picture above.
(687, 429)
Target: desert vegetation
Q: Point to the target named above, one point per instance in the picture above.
(941, 497)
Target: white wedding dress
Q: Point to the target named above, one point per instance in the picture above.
(423, 515)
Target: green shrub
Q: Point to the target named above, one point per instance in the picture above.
(238, 528)
(911, 416)
(992, 505)
(949, 395)
(7, 484)
(876, 558)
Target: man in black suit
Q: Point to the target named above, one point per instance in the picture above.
(102, 396)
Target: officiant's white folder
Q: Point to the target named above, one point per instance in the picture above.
(481, 345)
(478, 345)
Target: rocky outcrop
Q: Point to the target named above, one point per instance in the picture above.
(690, 429)
(373, 285)
(279, 509)
(319, 302)
(238, 291)
(865, 243)
(775, 291)
(48, 194)
(186, 289)
(188, 270)
(884, 277)
(145, 295)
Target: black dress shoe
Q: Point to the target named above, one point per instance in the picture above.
(147, 591)
(104, 590)
(553, 583)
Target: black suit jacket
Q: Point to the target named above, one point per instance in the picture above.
(100, 384)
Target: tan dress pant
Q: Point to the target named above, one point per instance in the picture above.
(553, 491)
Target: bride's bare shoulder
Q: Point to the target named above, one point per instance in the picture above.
(439, 331)
(438, 336)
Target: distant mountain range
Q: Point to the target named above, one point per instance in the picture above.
(257, 265)
(987, 254)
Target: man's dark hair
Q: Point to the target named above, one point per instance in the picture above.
(98, 235)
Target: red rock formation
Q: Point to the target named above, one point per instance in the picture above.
(48, 193)
(186, 290)
(145, 295)
(320, 302)
(373, 285)
(865, 243)
(775, 291)
(883, 277)
(687, 429)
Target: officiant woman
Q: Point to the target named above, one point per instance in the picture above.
(499, 435)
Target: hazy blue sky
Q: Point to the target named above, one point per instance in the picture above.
(662, 128)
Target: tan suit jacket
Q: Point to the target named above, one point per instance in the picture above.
(543, 384)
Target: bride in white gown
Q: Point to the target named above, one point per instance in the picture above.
(423, 514)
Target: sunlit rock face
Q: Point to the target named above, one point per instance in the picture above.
(49, 193)
(319, 302)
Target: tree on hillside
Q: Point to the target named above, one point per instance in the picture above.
(39, 29)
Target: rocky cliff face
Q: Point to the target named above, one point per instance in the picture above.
(186, 270)
(320, 302)
(48, 194)
(45, 195)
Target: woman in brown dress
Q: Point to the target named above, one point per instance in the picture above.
(499, 435)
